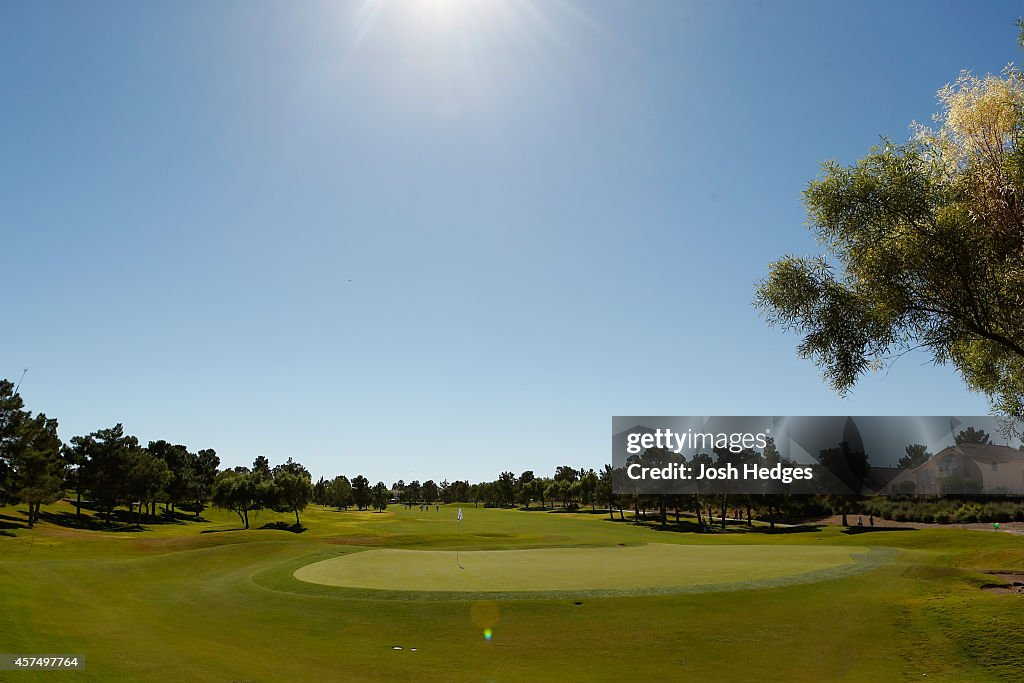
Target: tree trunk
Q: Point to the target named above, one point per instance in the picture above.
(296, 516)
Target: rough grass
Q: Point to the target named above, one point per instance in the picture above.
(170, 603)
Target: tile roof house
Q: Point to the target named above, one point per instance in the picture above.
(967, 468)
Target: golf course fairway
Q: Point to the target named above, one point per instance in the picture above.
(564, 596)
(649, 566)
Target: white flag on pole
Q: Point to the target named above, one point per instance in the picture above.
(460, 514)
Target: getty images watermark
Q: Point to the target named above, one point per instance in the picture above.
(843, 455)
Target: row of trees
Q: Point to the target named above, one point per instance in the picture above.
(107, 467)
(31, 467)
(568, 486)
(113, 469)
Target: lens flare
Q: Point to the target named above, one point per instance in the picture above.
(487, 634)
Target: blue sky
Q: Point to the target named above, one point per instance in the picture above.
(439, 238)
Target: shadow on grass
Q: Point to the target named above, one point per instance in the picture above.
(120, 522)
(796, 529)
(854, 530)
(284, 526)
(9, 522)
(161, 517)
(221, 531)
(691, 526)
(7, 533)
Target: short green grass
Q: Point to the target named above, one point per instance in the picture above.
(625, 568)
(171, 603)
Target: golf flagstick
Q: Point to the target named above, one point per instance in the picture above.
(457, 547)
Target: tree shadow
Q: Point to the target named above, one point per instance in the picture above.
(616, 518)
(220, 531)
(854, 530)
(11, 522)
(686, 526)
(284, 526)
(161, 517)
(69, 520)
(783, 530)
(7, 533)
(677, 527)
(178, 517)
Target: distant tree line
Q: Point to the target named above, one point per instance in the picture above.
(108, 469)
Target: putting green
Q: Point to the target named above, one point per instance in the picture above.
(651, 566)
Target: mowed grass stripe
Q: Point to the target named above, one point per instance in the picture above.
(656, 565)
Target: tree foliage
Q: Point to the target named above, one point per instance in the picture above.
(917, 455)
(37, 469)
(237, 490)
(972, 436)
(361, 492)
(923, 247)
(293, 487)
(381, 496)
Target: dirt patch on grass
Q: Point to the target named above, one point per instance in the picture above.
(884, 524)
(1010, 584)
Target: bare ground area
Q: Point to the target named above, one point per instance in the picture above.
(1004, 527)
(1008, 584)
